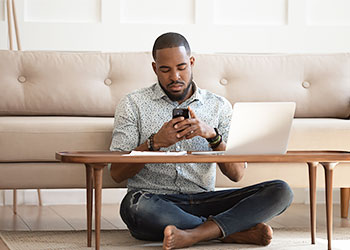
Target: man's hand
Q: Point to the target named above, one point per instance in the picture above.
(168, 133)
(194, 127)
(179, 129)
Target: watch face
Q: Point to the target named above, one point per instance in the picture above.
(149, 144)
(215, 137)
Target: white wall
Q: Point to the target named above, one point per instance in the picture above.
(244, 26)
(237, 26)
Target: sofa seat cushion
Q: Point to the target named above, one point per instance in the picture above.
(306, 134)
(295, 174)
(37, 138)
(320, 134)
(48, 175)
(27, 138)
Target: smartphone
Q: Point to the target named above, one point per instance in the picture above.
(177, 112)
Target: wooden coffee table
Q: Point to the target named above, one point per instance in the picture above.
(95, 161)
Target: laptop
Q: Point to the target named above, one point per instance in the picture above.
(259, 128)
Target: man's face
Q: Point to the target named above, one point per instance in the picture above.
(173, 68)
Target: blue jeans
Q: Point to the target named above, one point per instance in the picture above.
(233, 210)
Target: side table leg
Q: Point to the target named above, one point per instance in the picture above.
(328, 167)
(89, 185)
(312, 190)
(98, 171)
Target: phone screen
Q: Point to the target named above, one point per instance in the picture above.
(181, 112)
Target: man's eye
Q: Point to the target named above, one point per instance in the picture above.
(182, 68)
(165, 70)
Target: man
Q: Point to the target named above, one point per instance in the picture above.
(177, 203)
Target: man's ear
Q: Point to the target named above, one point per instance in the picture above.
(192, 60)
(154, 67)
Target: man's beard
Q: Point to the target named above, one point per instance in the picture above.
(180, 97)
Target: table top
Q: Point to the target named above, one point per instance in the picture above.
(123, 157)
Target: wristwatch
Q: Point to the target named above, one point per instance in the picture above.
(215, 141)
(150, 143)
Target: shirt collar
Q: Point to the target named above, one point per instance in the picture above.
(158, 93)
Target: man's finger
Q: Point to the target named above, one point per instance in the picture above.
(193, 115)
(192, 134)
(176, 120)
(189, 131)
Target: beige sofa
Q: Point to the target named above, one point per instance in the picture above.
(55, 101)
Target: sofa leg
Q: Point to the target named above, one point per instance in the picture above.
(344, 202)
(39, 198)
(14, 207)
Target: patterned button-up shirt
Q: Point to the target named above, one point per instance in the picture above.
(143, 112)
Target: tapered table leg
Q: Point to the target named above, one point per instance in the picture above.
(89, 185)
(328, 167)
(312, 189)
(98, 171)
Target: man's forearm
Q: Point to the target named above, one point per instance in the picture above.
(234, 171)
(123, 171)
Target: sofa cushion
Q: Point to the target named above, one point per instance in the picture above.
(91, 84)
(320, 134)
(295, 174)
(37, 138)
(48, 175)
(319, 84)
(68, 83)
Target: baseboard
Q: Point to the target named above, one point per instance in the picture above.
(112, 196)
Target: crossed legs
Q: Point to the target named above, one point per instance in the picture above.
(181, 220)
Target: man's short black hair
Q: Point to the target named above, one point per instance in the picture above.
(170, 40)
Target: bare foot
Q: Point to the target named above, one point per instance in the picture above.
(176, 238)
(261, 234)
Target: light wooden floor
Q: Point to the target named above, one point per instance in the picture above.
(73, 217)
(56, 218)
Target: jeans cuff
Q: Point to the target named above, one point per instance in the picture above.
(211, 218)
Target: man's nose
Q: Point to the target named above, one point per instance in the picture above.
(175, 75)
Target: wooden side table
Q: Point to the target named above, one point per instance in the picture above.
(95, 161)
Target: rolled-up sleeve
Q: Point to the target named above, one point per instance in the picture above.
(225, 116)
(125, 135)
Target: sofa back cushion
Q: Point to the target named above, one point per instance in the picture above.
(73, 84)
(92, 83)
(319, 84)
